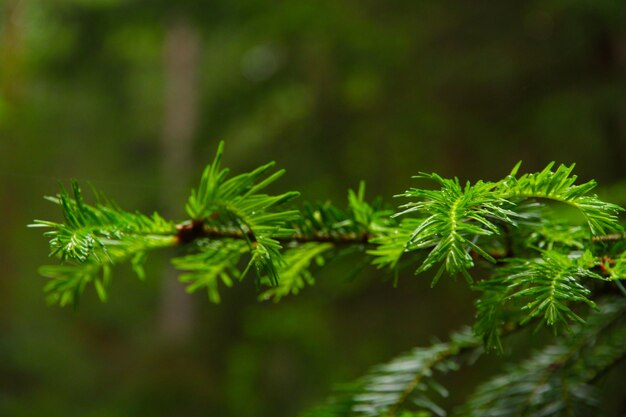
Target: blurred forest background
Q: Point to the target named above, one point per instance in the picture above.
(133, 96)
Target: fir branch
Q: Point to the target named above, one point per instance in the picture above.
(235, 208)
(231, 210)
(553, 283)
(321, 228)
(558, 185)
(232, 221)
(405, 383)
(318, 229)
(102, 230)
(237, 203)
(450, 226)
(451, 219)
(452, 222)
(528, 288)
(555, 382)
(92, 239)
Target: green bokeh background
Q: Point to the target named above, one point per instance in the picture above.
(335, 91)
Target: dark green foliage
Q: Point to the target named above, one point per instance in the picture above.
(528, 266)
(558, 381)
(68, 281)
(405, 383)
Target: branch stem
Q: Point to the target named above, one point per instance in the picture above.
(197, 229)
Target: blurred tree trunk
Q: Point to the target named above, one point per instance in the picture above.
(12, 28)
(11, 31)
(181, 59)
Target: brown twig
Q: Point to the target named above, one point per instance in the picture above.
(609, 238)
(197, 229)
